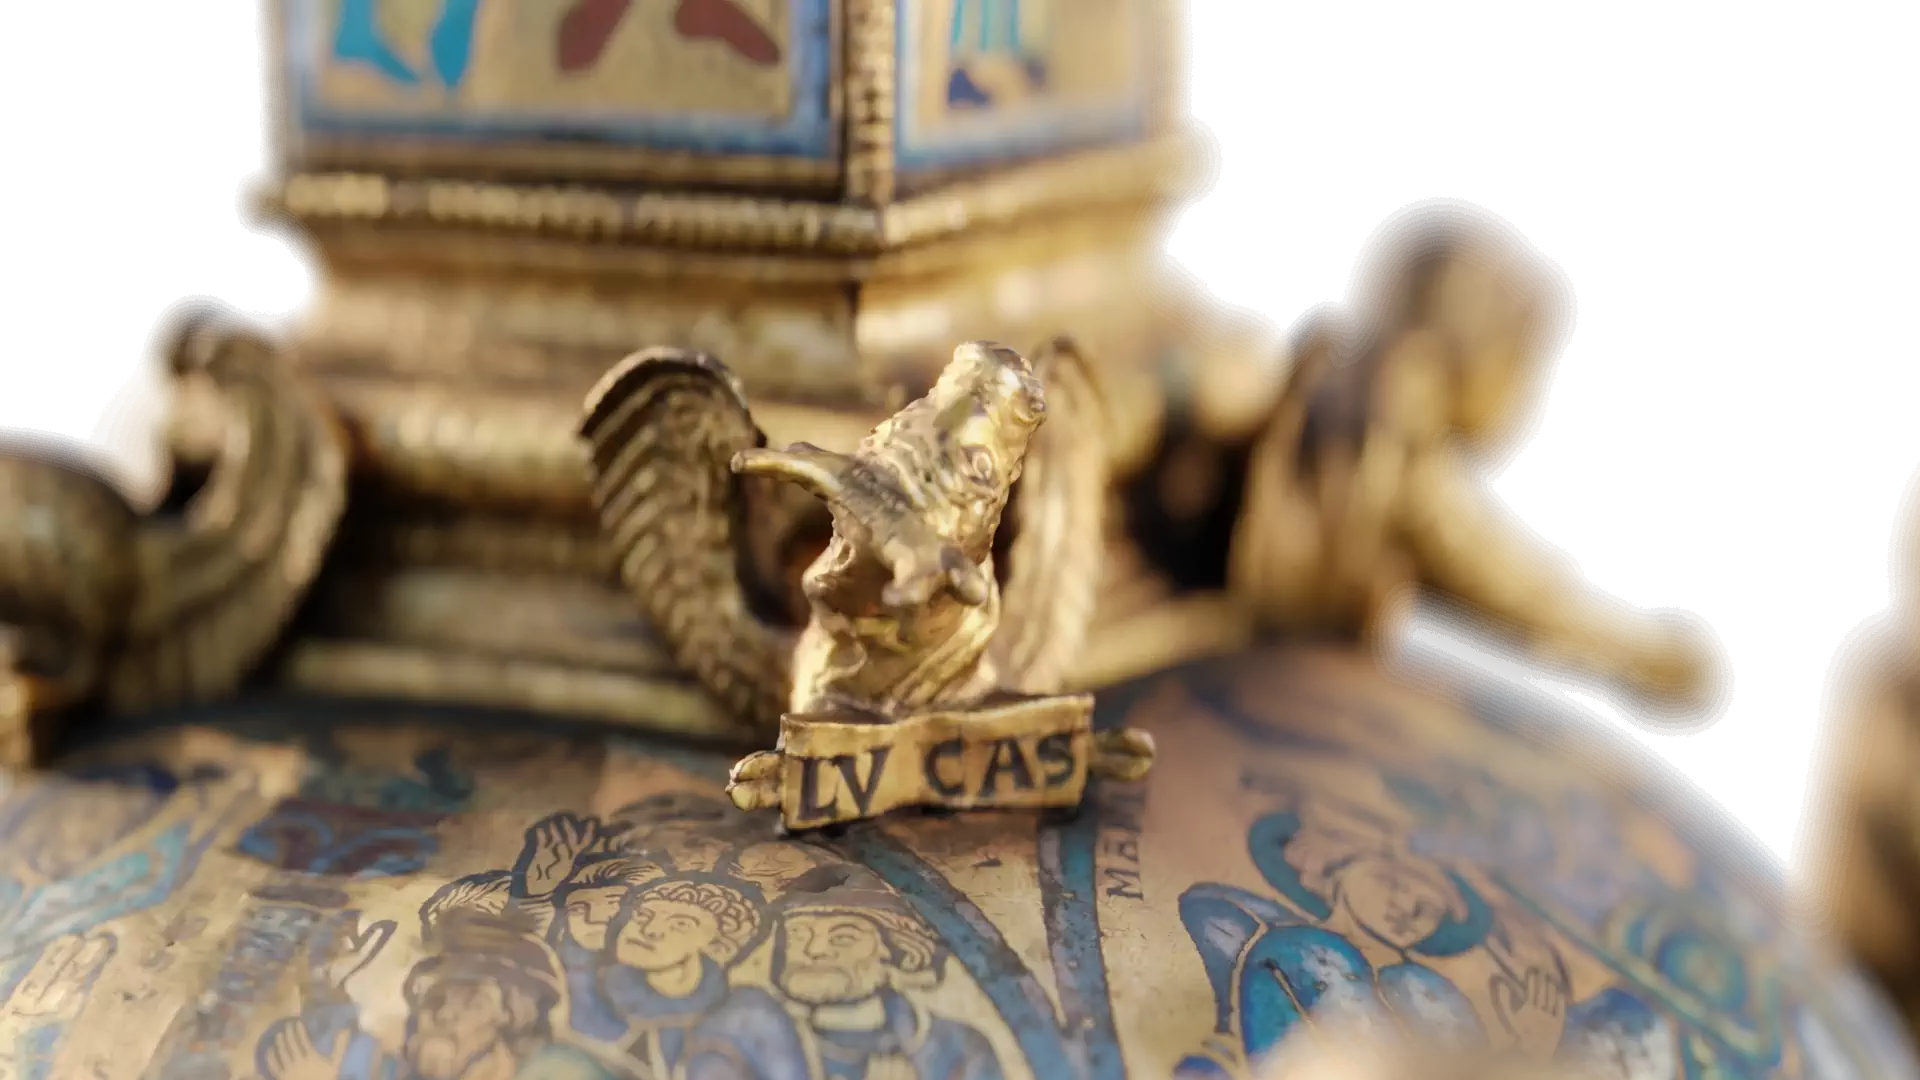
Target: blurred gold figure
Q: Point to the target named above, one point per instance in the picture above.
(1362, 483)
(1864, 843)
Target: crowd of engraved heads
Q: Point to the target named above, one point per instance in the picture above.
(673, 900)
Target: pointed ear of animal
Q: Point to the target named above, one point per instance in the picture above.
(821, 472)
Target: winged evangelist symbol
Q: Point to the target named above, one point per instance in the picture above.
(951, 563)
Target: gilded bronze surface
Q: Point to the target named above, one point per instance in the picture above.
(101, 602)
(906, 632)
(1331, 487)
(504, 199)
(1000, 171)
(827, 194)
(578, 646)
(282, 889)
(1363, 482)
(1864, 807)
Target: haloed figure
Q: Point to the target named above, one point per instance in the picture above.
(1276, 960)
(1399, 903)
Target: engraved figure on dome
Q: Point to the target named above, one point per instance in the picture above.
(325, 1040)
(642, 913)
(1352, 896)
(480, 1009)
(664, 965)
(86, 849)
(849, 958)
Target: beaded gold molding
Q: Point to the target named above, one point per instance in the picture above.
(1170, 167)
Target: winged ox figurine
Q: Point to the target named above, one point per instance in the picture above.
(926, 634)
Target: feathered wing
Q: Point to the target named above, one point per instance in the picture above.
(219, 584)
(1057, 529)
(137, 606)
(661, 431)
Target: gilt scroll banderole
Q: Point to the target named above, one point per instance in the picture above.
(1029, 753)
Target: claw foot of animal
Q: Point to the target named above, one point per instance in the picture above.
(754, 783)
(1122, 755)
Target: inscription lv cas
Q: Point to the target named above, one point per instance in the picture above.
(1025, 753)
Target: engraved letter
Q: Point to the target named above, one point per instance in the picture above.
(810, 806)
(1056, 758)
(849, 772)
(1123, 884)
(1008, 757)
(940, 751)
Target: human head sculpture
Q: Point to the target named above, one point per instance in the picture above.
(844, 938)
(1464, 319)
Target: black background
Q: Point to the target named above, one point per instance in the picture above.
(1663, 200)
